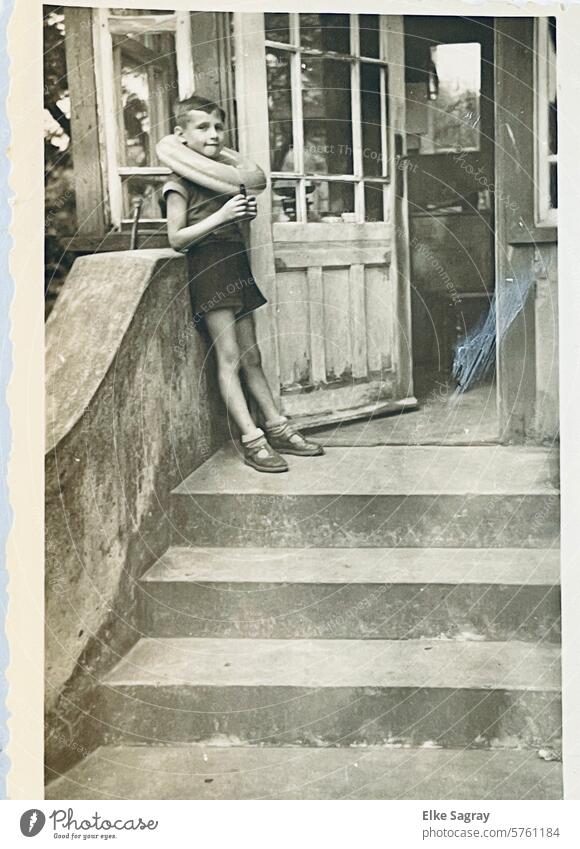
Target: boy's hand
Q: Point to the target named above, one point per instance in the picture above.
(252, 207)
(235, 209)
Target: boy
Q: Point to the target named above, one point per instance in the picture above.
(223, 291)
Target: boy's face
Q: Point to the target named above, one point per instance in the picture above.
(203, 132)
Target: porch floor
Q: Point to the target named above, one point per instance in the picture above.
(395, 470)
(469, 419)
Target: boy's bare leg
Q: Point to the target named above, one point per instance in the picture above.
(222, 329)
(251, 365)
(281, 435)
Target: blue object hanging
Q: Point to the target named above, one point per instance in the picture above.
(474, 355)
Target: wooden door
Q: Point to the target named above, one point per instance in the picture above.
(321, 106)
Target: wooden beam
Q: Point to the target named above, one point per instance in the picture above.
(331, 255)
(321, 231)
(88, 177)
(254, 140)
(205, 51)
(316, 321)
(226, 72)
(392, 34)
(212, 77)
(137, 51)
(106, 70)
(358, 329)
(184, 60)
(141, 24)
(513, 102)
(515, 131)
(297, 118)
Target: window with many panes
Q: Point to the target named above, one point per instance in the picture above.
(546, 129)
(146, 65)
(327, 106)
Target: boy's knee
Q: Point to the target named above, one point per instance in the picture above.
(251, 358)
(229, 360)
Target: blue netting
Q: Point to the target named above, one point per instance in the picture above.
(474, 356)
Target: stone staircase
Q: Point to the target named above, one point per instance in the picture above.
(379, 623)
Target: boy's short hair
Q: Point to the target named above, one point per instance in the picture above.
(202, 104)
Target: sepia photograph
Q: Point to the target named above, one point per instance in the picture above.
(302, 472)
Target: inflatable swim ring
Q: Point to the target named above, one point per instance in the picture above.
(223, 175)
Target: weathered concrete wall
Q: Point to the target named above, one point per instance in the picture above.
(132, 408)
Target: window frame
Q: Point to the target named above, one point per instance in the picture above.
(544, 214)
(295, 51)
(106, 28)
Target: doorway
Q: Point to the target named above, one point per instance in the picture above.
(375, 131)
(450, 166)
(320, 104)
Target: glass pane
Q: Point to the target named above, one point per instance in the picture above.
(372, 158)
(329, 202)
(552, 88)
(326, 105)
(374, 208)
(283, 200)
(369, 36)
(279, 110)
(453, 101)
(148, 91)
(146, 189)
(325, 32)
(133, 13)
(277, 27)
(548, 123)
(553, 125)
(553, 185)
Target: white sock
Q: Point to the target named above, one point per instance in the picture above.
(277, 422)
(253, 434)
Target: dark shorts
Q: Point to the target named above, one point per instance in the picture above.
(219, 276)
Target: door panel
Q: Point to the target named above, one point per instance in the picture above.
(379, 310)
(340, 313)
(292, 322)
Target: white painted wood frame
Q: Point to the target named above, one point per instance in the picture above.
(105, 26)
(295, 52)
(544, 73)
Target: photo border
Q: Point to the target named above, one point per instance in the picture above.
(25, 391)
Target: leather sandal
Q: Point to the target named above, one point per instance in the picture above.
(261, 456)
(290, 441)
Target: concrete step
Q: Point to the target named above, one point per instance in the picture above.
(205, 772)
(353, 593)
(333, 692)
(395, 496)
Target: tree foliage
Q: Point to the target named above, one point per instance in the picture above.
(59, 198)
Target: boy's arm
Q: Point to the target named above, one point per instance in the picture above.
(182, 237)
